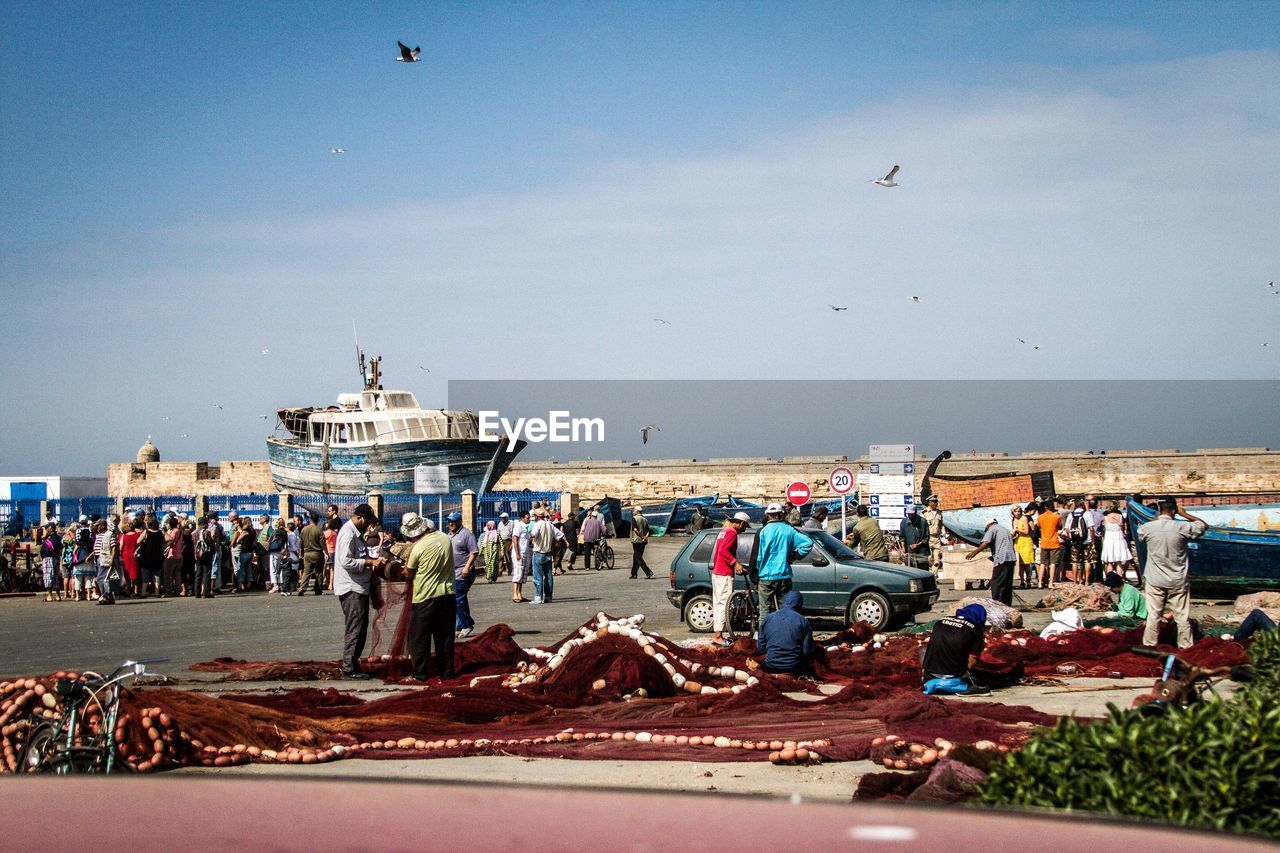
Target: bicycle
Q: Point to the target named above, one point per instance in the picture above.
(73, 742)
(603, 554)
(1182, 684)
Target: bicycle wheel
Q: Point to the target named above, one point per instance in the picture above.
(606, 556)
(40, 746)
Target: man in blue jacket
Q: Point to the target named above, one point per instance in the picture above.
(786, 640)
(776, 544)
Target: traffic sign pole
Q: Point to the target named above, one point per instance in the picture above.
(841, 481)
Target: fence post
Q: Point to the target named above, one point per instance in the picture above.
(375, 502)
(286, 505)
(120, 505)
(469, 510)
(201, 506)
(568, 504)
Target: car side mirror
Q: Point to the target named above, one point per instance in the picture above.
(819, 561)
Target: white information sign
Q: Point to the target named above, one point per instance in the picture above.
(431, 479)
(893, 453)
(892, 468)
(890, 484)
(891, 499)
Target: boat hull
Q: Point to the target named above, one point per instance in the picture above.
(1223, 554)
(386, 469)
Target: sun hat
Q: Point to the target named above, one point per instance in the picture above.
(413, 525)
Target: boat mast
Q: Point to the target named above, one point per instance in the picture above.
(371, 377)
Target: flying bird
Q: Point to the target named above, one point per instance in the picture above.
(887, 180)
(337, 151)
(644, 433)
(1266, 344)
(837, 308)
(1035, 346)
(915, 299)
(662, 321)
(265, 351)
(1022, 340)
(1272, 285)
(184, 435)
(216, 406)
(407, 55)
(164, 418)
(423, 369)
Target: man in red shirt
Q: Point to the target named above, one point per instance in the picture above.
(724, 565)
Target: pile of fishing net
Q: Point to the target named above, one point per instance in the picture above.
(1082, 597)
(608, 690)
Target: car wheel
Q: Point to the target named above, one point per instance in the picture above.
(698, 614)
(872, 608)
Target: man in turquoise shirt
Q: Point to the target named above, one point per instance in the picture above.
(776, 544)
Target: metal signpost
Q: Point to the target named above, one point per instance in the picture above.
(842, 481)
(432, 480)
(891, 483)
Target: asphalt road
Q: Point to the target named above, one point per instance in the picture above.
(36, 637)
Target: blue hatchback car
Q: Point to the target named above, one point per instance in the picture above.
(834, 579)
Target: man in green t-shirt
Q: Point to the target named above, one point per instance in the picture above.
(1129, 601)
(639, 538)
(434, 606)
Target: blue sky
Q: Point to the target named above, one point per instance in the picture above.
(1100, 179)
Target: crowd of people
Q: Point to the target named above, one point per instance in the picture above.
(138, 555)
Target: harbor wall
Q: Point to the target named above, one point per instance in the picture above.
(1231, 473)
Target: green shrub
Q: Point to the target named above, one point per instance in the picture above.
(1216, 764)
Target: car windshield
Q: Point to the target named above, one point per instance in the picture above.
(835, 547)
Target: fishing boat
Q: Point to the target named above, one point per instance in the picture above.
(1227, 555)
(372, 440)
(672, 516)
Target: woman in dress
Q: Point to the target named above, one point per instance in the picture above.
(1115, 545)
(172, 583)
(491, 551)
(1024, 548)
(50, 557)
(128, 556)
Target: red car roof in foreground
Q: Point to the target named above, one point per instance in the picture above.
(304, 813)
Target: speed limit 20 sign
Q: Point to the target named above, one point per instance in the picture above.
(841, 481)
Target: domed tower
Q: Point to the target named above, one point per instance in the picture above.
(148, 453)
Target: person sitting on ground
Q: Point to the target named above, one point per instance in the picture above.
(786, 639)
(1130, 601)
(1256, 621)
(948, 659)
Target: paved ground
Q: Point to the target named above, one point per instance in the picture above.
(38, 637)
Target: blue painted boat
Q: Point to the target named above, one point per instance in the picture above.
(371, 442)
(670, 517)
(1223, 554)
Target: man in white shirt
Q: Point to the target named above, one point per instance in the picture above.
(521, 556)
(542, 538)
(352, 576)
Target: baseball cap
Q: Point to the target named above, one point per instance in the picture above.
(990, 521)
(742, 516)
(503, 515)
(453, 516)
(773, 509)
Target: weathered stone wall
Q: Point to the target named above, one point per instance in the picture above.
(1213, 472)
(153, 479)
(1232, 471)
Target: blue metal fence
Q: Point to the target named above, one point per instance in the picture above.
(434, 507)
(492, 504)
(319, 504)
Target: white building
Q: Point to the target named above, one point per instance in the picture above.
(27, 493)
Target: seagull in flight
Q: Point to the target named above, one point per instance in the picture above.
(915, 299)
(164, 417)
(407, 55)
(264, 417)
(644, 433)
(662, 321)
(1272, 285)
(337, 151)
(1022, 340)
(423, 369)
(887, 180)
(265, 351)
(184, 435)
(218, 407)
(838, 308)
(1035, 346)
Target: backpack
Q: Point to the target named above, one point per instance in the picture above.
(203, 545)
(1077, 530)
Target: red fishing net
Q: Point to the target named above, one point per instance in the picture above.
(607, 690)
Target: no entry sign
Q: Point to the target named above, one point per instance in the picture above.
(798, 493)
